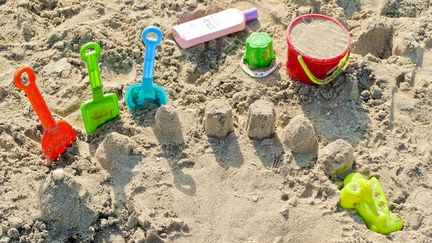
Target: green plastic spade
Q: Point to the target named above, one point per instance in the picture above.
(101, 108)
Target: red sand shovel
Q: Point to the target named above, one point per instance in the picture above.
(58, 135)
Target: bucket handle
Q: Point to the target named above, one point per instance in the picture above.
(340, 67)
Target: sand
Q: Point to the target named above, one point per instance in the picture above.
(138, 179)
(319, 38)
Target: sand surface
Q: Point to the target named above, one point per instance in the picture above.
(319, 38)
(140, 179)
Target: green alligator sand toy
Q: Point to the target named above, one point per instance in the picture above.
(367, 197)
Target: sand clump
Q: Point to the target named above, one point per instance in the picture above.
(167, 119)
(114, 151)
(13, 233)
(139, 236)
(375, 38)
(261, 120)
(63, 205)
(350, 6)
(218, 120)
(405, 44)
(398, 8)
(168, 126)
(319, 38)
(337, 159)
(299, 136)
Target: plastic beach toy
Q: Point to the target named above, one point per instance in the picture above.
(368, 198)
(101, 108)
(212, 26)
(308, 67)
(259, 59)
(138, 94)
(58, 135)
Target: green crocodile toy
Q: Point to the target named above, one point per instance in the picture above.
(367, 197)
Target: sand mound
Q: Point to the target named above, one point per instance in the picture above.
(299, 136)
(261, 120)
(167, 120)
(114, 151)
(218, 118)
(337, 159)
(65, 206)
(375, 38)
(194, 174)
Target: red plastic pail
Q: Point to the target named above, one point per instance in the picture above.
(309, 69)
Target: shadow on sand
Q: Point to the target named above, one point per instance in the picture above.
(270, 151)
(65, 210)
(120, 176)
(172, 146)
(227, 151)
(341, 117)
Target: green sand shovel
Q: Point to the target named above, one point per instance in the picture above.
(103, 107)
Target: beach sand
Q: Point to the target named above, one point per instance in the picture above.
(137, 180)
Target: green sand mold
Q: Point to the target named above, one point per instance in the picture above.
(259, 50)
(103, 107)
(367, 197)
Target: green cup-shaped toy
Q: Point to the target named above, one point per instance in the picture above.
(259, 50)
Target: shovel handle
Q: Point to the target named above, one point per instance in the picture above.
(34, 96)
(150, 54)
(90, 53)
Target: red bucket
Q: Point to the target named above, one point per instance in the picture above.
(310, 69)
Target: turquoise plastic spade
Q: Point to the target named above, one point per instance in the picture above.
(137, 95)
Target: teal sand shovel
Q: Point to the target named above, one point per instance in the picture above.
(137, 95)
(103, 107)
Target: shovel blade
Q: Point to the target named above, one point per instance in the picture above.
(97, 113)
(136, 96)
(56, 141)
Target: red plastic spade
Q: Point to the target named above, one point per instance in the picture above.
(58, 135)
